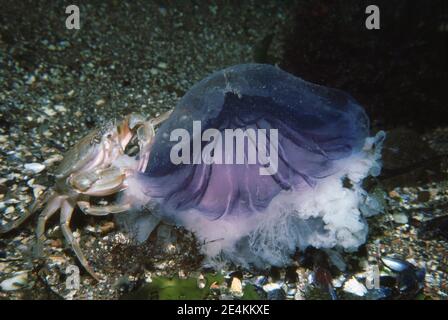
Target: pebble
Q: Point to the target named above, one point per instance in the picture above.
(182, 275)
(49, 112)
(394, 194)
(201, 281)
(60, 108)
(272, 286)
(148, 277)
(31, 80)
(9, 210)
(16, 282)
(162, 65)
(34, 167)
(100, 102)
(400, 218)
(236, 288)
(274, 291)
(353, 286)
(337, 282)
(57, 260)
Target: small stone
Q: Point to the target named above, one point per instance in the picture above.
(49, 112)
(148, 277)
(394, 194)
(353, 286)
(58, 260)
(47, 134)
(271, 286)
(337, 282)
(9, 210)
(400, 218)
(60, 108)
(100, 102)
(18, 281)
(34, 167)
(31, 80)
(162, 65)
(3, 138)
(236, 288)
(201, 281)
(274, 291)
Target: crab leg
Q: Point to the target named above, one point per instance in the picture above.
(50, 209)
(66, 215)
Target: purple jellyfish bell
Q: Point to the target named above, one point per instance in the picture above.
(253, 159)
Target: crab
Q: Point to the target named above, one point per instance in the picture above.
(88, 170)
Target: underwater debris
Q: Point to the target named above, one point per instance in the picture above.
(408, 280)
(353, 286)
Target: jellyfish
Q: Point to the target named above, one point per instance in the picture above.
(315, 197)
